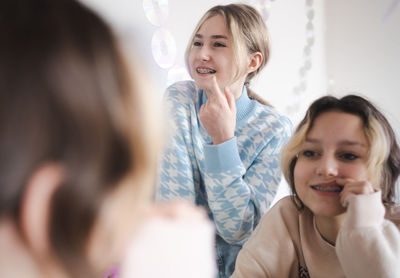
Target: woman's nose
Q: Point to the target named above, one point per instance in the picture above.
(204, 53)
(327, 166)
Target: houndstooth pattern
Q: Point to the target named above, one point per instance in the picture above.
(237, 192)
(239, 196)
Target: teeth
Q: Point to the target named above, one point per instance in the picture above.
(327, 188)
(205, 70)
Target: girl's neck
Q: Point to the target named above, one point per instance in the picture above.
(236, 88)
(329, 227)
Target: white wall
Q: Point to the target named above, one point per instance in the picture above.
(287, 25)
(363, 51)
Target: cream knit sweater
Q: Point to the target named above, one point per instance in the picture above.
(287, 243)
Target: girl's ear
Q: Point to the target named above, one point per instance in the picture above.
(36, 206)
(255, 61)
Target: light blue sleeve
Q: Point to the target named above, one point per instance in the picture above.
(178, 171)
(239, 197)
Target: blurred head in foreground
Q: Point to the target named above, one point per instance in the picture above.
(75, 141)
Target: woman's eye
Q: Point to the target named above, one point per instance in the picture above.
(197, 43)
(348, 156)
(308, 153)
(218, 44)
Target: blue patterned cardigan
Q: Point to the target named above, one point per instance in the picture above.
(235, 181)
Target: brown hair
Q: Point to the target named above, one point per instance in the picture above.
(67, 96)
(384, 153)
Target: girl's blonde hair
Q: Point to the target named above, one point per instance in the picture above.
(248, 33)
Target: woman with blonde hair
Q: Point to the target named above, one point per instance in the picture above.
(341, 219)
(225, 140)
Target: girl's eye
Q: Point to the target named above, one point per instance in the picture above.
(308, 153)
(348, 156)
(197, 43)
(218, 44)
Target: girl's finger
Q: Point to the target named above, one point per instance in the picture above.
(216, 91)
(230, 98)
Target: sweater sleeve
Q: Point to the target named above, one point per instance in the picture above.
(178, 174)
(239, 197)
(367, 244)
(271, 249)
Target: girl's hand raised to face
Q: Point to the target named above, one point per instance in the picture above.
(218, 114)
(354, 187)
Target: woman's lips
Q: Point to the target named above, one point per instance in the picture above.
(328, 187)
(203, 70)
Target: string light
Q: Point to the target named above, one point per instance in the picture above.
(301, 87)
(264, 8)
